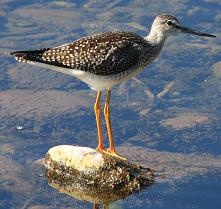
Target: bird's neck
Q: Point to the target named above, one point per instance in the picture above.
(156, 37)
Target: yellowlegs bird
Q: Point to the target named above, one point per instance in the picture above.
(103, 60)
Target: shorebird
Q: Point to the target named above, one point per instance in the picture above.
(103, 60)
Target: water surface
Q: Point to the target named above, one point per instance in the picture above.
(178, 129)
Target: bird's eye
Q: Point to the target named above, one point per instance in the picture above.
(169, 22)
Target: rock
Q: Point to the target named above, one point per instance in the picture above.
(6, 148)
(87, 174)
(216, 68)
(26, 103)
(79, 158)
(185, 120)
(11, 178)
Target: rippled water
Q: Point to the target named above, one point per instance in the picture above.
(177, 130)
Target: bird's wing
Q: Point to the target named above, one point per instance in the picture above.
(101, 54)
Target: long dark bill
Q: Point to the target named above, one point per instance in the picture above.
(184, 29)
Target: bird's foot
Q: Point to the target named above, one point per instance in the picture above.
(101, 149)
(114, 153)
(111, 152)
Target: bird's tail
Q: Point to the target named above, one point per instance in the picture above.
(25, 56)
(19, 55)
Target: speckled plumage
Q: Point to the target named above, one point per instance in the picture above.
(105, 59)
(102, 54)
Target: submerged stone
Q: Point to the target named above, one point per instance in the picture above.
(216, 68)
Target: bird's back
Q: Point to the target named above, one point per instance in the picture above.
(102, 54)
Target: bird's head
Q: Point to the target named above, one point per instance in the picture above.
(165, 25)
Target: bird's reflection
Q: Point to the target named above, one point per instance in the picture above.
(97, 206)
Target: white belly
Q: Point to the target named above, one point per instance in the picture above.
(96, 82)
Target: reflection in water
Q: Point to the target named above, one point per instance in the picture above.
(96, 206)
(98, 199)
(95, 197)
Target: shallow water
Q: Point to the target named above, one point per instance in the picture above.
(176, 131)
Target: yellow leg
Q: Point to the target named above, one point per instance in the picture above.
(111, 149)
(100, 146)
(95, 206)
